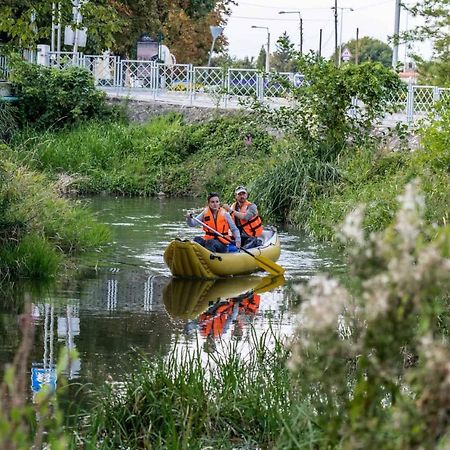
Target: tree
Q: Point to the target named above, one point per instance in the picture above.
(369, 50)
(435, 15)
(261, 60)
(227, 61)
(183, 25)
(282, 58)
(24, 23)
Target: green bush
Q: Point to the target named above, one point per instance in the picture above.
(52, 97)
(37, 226)
(376, 176)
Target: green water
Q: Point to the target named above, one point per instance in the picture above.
(124, 301)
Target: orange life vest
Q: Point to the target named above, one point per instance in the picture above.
(214, 324)
(250, 305)
(219, 224)
(251, 227)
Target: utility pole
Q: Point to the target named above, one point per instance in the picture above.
(396, 33)
(301, 35)
(320, 43)
(357, 47)
(336, 56)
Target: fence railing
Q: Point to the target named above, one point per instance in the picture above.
(206, 86)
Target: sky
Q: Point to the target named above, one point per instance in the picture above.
(373, 18)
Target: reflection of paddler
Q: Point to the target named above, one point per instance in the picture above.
(218, 318)
(187, 299)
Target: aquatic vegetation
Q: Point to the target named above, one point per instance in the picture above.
(232, 400)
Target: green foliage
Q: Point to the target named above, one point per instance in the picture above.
(322, 122)
(36, 225)
(434, 72)
(375, 177)
(282, 60)
(24, 23)
(261, 59)
(323, 117)
(163, 155)
(382, 344)
(8, 120)
(52, 97)
(227, 61)
(293, 180)
(369, 50)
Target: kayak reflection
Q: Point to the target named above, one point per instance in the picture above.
(216, 304)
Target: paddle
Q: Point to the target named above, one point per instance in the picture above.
(263, 262)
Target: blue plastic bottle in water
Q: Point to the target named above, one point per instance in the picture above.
(232, 248)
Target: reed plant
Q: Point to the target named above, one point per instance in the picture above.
(180, 401)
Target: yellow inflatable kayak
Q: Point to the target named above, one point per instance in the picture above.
(191, 260)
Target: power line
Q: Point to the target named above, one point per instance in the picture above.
(276, 19)
(277, 7)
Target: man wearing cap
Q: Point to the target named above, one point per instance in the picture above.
(246, 217)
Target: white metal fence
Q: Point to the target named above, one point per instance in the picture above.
(209, 86)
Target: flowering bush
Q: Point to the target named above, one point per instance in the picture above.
(373, 358)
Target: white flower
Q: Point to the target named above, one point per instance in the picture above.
(352, 229)
(326, 300)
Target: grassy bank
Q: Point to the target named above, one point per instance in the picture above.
(375, 176)
(37, 226)
(164, 155)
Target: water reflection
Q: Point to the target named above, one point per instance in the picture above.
(214, 307)
(65, 319)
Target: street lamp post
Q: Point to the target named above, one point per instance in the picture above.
(268, 46)
(301, 26)
(340, 38)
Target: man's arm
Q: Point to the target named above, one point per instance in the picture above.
(234, 229)
(252, 211)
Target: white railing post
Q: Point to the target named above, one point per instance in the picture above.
(410, 103)
(191, 83)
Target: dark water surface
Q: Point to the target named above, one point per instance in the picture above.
(125, 300)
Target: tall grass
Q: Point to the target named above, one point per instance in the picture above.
(293, 182)
(232, 401)
(37, 226)
(375, 178)
(163, 155)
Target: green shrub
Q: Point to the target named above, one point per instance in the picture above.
(52, 97)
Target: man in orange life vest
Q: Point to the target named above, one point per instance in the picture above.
(246, 217)
(217, 218)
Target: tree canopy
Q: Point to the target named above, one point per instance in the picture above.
(282, 59)
(369, 50)
(435, 15)
(182, 25)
